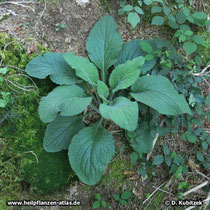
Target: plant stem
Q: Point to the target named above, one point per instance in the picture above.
(101, 120)
(111, 96)
(95, 108)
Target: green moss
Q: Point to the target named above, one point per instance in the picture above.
(23, 160)
(157, 201)
(115, 174)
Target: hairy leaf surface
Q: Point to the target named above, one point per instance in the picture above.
(158, 93)
(125, 75)
(123, 112)
(60, 132)
(68, 100)
(89, 153)
(52, 64)
(83, 67)
(104, 43)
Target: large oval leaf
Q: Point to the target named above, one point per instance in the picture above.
(125, 75)
(104, 43)
(52, 64)
(83, 67)
(123, 112)
(89, 153)
(60, 132)
(158, 93)
(68, 100)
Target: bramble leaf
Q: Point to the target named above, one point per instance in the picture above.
(189, 47)
(157, 20)
(133, 19)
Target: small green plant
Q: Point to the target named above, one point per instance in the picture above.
(58, 27)
(99, 202)
(109, 95)
(5, 96)
(123, 197)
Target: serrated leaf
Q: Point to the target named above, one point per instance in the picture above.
(199, 156)
(200, 15)
(125, 195)
(146, 47)
(142, 172)
(125, 75)
(103, 203)
(173, 25)
(123, 202)
(172, 18)
(133, 19)
(186, 11)
(140, 3)
(191, 138)
(149, 57)
(139, 10)
(89, 153)
(157, 20)
(128, 8)
(104, 43)
(166, 10)
(182, 38)
(178, 159)
(148, 2)
(134, 157)
(198, 39)
(189, 47)
(168, 160)
(166, 151)
(102, 89)
(180, 17)
(98, 196)
(122, 111)
(204, 145)
(116, 197)
(96, 204)
(156, 9)
(83, 67)
(158, 93)
(52, 64)
(158, 159)
(188, 33)
(60, 132)
(68, 100)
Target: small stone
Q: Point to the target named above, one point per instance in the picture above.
(68, 40)
(82, 2)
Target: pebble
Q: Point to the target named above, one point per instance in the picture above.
(68, 40)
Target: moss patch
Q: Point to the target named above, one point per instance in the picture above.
(115, 174)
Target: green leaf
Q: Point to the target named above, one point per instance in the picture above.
(178, 159)
(173, 25)
(172, 18)
(189, 47)
(199, 156)
(143, 140)
(180, 17)
(123, 112)
(142, 172)
(133, 19)
(166, 150)
(60, 132)
(139, 10)
(148, 2)
(89, 153)
(102, 90)
(125, 75)
(149, 57)
(186, 11)
(104, 43)
(103, 203)
(204, 145)
(188, 33)
(200, 15)
(158, 93)
(116, 197)
(123, 202)
(191, 138)
(125, 195)
(198, 39)
(158, 159)
(156, 9)
(134, 157)
(96, 204)
(182, 38)
(166, 10)
(68, 100)
(157, 20)
(168, 160)
(98, 196)
(52, 64)
(128, 8)
(4, 70)
(146, 47)
(83, 67)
